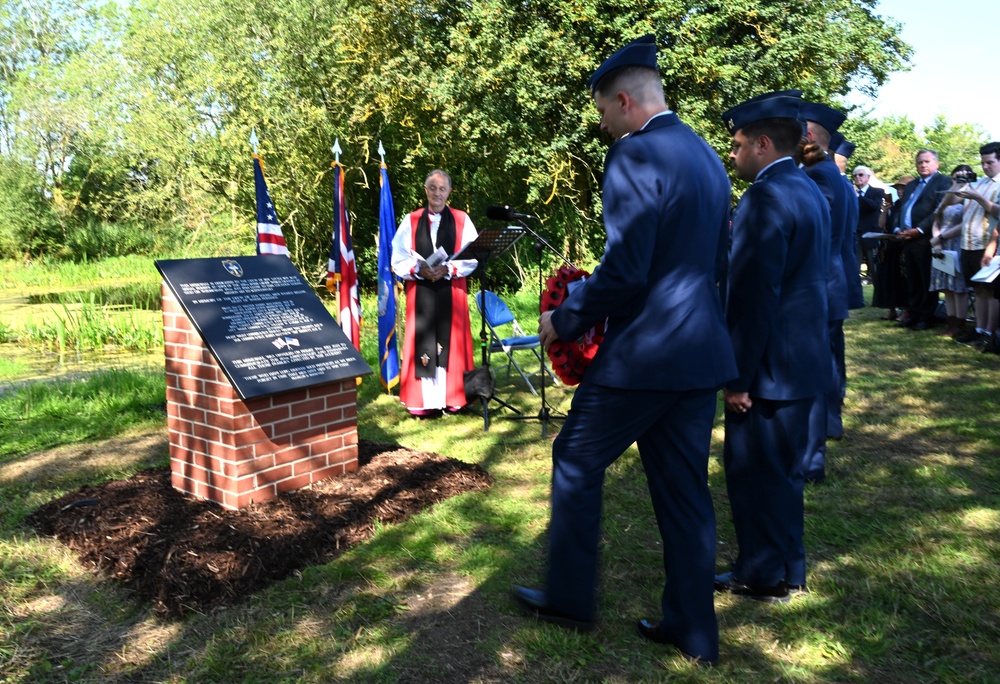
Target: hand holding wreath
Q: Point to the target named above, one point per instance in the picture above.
(569, 359)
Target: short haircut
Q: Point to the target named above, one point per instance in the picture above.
(784, 133)
(438, 172)
(962, 168)
(642, 83)
(866, 170)
(990, 148)
(933, 153)
(820, 133)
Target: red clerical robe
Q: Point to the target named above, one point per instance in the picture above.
(447, 389)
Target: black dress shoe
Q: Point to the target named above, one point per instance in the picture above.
(532, 601)
(775, 594)
(655, 633)
(922, 325)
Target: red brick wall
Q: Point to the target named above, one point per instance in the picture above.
(234, 452)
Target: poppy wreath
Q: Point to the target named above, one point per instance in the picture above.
(569, 359)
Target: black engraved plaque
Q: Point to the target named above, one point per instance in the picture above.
(262, 322)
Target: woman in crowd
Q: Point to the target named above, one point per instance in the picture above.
(946, 232)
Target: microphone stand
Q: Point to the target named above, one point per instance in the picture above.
(545, 413)
(490, 244)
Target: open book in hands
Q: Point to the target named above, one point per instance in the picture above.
(438, 257)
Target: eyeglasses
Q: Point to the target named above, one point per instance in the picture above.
(861, 173)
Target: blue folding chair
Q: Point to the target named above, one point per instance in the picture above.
(497, 314)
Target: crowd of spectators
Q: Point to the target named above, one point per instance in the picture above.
(932, 263)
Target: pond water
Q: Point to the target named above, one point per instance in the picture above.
(20, 364)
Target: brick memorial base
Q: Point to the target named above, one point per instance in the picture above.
(236, 452)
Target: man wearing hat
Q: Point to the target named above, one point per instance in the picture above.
(665, 355)
(842, 149)
(776, 311)
(843, 288)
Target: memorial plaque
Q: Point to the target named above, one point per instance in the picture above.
(266, 328)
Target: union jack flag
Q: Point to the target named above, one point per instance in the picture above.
(270, 240)
(341, 274)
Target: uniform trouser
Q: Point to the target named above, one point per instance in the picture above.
(763, 461)
(835, 398)
(825, 414)
(673, 431)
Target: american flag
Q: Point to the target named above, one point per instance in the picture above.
(269, 237)
(341, 274)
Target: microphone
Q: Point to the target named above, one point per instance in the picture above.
(505, 213)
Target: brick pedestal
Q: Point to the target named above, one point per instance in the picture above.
(234, 452)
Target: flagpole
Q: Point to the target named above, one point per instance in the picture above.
(336, 162)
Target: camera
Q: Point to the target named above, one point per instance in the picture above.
(965, 177)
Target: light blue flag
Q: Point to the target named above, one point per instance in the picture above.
(388, 354)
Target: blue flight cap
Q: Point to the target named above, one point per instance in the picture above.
(640, 52)
(780, 104)
(827, 117)
(845, 149)
(836, 140)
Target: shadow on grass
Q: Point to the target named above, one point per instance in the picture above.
(902, 542)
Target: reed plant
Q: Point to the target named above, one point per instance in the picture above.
(51, 274)
(90, 325)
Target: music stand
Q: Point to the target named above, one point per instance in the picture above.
(546, 412)
(491, 244)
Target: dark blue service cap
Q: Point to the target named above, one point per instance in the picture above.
(780, 104)
(640, 52)
(841, 145)
(827, 117)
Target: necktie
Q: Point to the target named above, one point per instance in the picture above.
(907, 222)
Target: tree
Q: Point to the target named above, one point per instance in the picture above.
(955, 143)
(492, 90)
(890, 145)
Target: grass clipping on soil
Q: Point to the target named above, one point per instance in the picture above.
(185, 554)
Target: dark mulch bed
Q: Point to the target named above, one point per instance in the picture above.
(183, 554)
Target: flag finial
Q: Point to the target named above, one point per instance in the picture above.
(381, 151)
(253, 139)
(336, 150)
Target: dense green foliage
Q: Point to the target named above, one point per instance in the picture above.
(133, 114)
(889, 146)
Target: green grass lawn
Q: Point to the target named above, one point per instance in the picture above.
(903, 541)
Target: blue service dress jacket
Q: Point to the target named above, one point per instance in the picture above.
(849, 248)
(776, 307)
(826, 176)
(667, 235)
